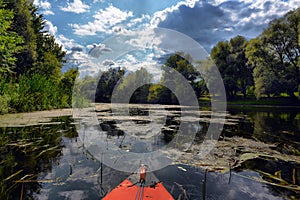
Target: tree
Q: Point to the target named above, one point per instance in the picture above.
(23, 26)
(275, 54)
(107, 83)
(67, 83)
(135, 84)
(50, 67)
(161, 95)
(232, 63)
(50, 56)
(221, 56)
(9, 40)
(265, 78)
(238, 61)
(30, 61)
(39, 46)
(182, 64)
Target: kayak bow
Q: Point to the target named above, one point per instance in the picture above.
(132, 189)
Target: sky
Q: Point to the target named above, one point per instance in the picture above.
(83, 27)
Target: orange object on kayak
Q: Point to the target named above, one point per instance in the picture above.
(128, 191)
(142, 174)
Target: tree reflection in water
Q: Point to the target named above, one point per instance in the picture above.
(28, 151)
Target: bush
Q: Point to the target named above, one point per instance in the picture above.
(4, 104)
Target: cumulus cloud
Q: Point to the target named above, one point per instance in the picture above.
(36, 2)
(137, 21)
(79, 59)
(97, 50)
(162, 15)
(67, 44)
(48, 12)
(134, 61)
(45, 7)
(104, 21)
(50, 27)
(108, 63)
(77, 6)
(206, 21)
(214, 20)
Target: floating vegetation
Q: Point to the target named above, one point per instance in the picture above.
(231, 153)
(260, 149)
(32, 118)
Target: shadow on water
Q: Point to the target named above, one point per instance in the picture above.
(28, 151)
(279, 126)
(47, 161)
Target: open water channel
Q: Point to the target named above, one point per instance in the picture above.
(47, 159)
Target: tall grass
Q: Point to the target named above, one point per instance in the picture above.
(32, 93)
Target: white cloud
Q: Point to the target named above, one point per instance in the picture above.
(98, 49)
(45, 5)
(77, 6)
(104, 21)
(141, 20)
(132, 63)
(85, 64)
(217, 2)
(67, 43)
(96, 1)
(264, 11)
(108, 63)
(48, 12)
(162, 15)
(36, 2)
(50, 27)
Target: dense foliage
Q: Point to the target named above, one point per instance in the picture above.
(268, 63)
(275, 54)
(31, 62)
(139, 85)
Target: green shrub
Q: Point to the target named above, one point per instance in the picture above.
(4, 104)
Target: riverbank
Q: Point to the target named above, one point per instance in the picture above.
(32, 118)
(253, 102)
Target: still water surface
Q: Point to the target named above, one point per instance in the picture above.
(48, 160)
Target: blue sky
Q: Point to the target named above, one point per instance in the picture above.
(80, 25)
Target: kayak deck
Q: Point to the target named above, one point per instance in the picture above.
(130, 189)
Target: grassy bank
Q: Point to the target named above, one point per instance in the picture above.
(272, 101)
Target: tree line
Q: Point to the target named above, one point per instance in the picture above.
(31, 62)
(113, 83)
(267, 65)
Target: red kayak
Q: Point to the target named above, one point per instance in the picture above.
(146, 187)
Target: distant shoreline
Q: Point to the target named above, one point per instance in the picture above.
(31, 118)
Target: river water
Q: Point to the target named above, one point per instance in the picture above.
(48, 160)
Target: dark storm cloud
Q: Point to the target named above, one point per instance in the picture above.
(208, 24)
(202, 23)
